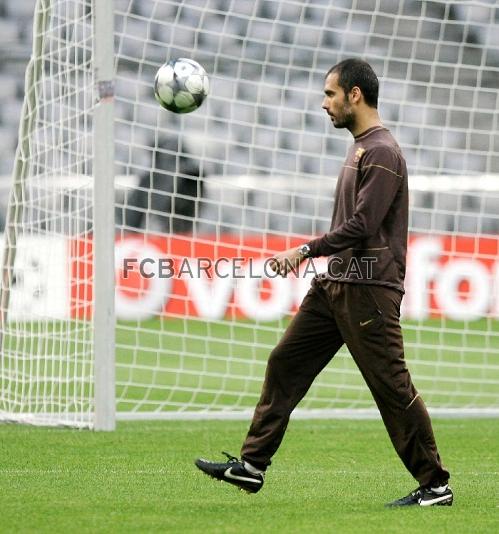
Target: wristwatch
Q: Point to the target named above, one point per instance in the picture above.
(304, 251)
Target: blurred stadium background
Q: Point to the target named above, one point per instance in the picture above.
(438, 62)
(258, 159)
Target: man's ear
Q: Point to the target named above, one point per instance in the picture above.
(355, 95)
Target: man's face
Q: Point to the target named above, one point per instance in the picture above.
(337, 104)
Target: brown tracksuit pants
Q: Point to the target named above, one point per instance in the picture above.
(366, 318)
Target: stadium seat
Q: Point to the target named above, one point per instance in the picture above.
(16, 9)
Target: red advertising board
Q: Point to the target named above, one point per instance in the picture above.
(455, 276)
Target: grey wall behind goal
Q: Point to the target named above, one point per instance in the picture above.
(256, 204)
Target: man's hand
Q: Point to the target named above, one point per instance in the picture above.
(284, 262)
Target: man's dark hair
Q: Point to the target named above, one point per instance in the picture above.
(355, 72)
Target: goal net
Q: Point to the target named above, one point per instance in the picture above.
(203, 199)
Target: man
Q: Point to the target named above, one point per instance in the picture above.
(168, 193)
(357, 302)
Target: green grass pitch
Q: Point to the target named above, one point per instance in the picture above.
(328, 476)
(454, 364)
(163, 364)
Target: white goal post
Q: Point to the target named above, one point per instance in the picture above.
(69, 380)
(180, 238)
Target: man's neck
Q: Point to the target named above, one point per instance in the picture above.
(366, 121)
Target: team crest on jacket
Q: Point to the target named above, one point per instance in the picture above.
(358, 154)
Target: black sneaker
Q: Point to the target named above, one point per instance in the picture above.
(425, 497)
(232, 472)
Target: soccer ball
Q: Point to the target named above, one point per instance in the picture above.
(181, 85)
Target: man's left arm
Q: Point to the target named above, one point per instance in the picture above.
(378, 186)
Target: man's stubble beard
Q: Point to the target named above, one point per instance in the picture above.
(348, 119)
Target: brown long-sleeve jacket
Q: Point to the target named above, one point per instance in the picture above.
(367, 242)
